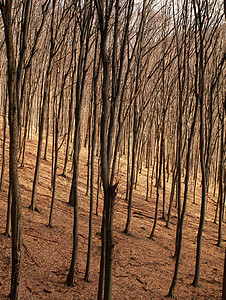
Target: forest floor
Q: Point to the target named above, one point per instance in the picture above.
(142, 268)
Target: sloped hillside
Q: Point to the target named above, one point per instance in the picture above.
(142, 268)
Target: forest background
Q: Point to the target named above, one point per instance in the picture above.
(120, 104)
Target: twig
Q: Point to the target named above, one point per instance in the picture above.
(138, 279)
(121, 276)
(39, 237)
(143, 215)
(28, 254)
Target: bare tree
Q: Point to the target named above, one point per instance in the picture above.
(96, 69)
(202, 11)
(85, 33)
(52, 52)
(16, 219)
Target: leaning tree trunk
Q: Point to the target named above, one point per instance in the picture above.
(16, 219)
(33, 205)
(47, 79)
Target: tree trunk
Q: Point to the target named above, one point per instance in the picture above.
(47, 79)
(64, 174)
(174, 179)
(89, 130)
(81, 75)
(158, 178)
(148, 159)
(180, 225)
(128, 163)
(95, 80)
(200, 95)
(134, 155)
(221, 189)
(98, 186)
(70, 277)
(4, 143)
(16, 218)
(109, 243)
(224, 279)
(47, 124)
(196, 166)
(164, 182)
(102, 259)
(74, 196)
(8, 231)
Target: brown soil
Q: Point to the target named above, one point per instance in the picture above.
(142, 268)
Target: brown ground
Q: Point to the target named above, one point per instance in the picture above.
(142, 269)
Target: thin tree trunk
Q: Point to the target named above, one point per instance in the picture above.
(56, 136)
(53, 140)
(47, 79)
(74, 188)
(195, 177)
(200, 95)
(158, 186)
(47, 125)
(102, 259)
(134, 154)
(81, 76)
(33, 205)
(70, 123)
(164, 177)
(221, 189)
(4, 143)
(224, 279)
(152, 176)
(174, 179)
(216, 165)
(95, 80)
(180, 225)
(217, 208)
(8, 231)
(148, 166)
(53, 185)
(164, 189)
(98, 186)
(89, 151)
(128, 164)
(25, 134)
